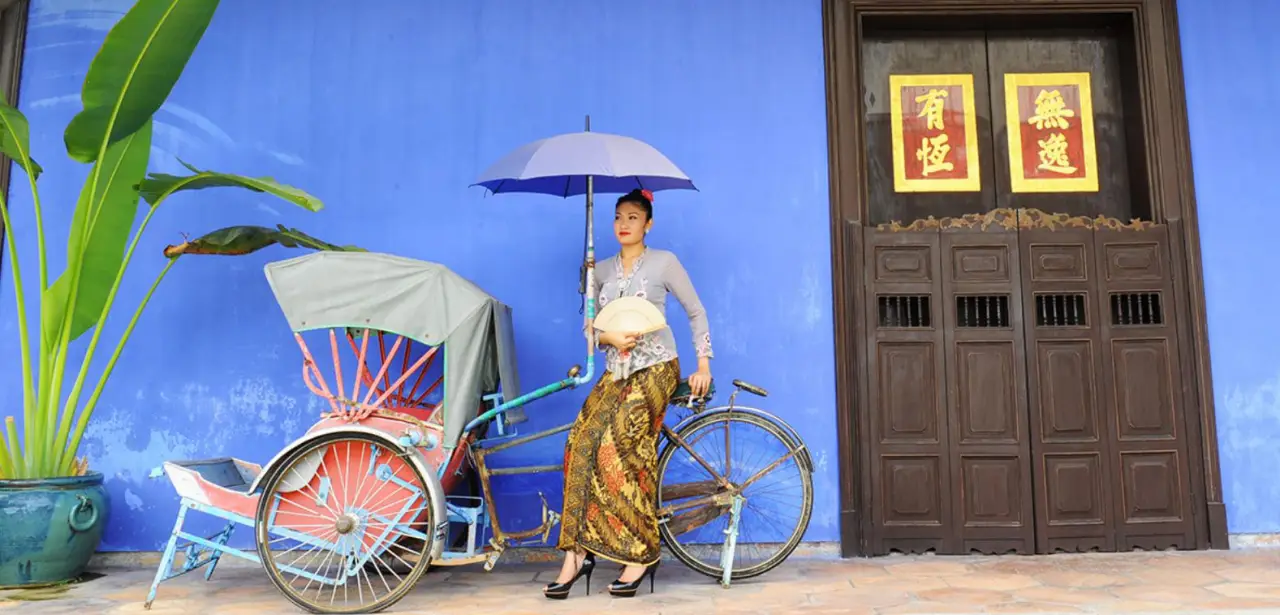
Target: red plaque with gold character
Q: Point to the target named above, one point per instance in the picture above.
(1051, 142)
(935, 133)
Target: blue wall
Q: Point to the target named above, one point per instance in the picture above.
(388, 111)
(1232, 64)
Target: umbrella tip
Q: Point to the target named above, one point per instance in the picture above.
(588, 122)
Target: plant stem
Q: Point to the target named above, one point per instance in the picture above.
(43, 260)
(24, 343)
(46, 421)
(64, 425)
(15, 452)
(6, 461)
(53, 394)
(69, 452)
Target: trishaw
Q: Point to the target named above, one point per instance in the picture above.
(396, 475)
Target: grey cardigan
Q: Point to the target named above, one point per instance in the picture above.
(654, 274)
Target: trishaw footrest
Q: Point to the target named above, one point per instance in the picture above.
(226, 472)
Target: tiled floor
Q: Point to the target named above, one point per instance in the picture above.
(1217, 582)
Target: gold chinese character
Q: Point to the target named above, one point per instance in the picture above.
(1053, 154)
(934, 103)
(1051, 111)
(933, 153)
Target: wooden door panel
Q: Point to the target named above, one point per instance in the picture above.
(1070, 441)
(911, 486)
(986, 390)
(1067, 395)
(1075, 499)
(1153, 506)
(908, 385)
(912, 495)
(996, 487)
(988, 409)
(1143, 391)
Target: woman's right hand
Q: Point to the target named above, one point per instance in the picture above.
(621, 341)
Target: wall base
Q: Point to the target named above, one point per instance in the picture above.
(151, 559)
(806, 551)
(1254, 541)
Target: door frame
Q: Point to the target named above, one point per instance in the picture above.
(1162, 99)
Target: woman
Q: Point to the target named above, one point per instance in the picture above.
(610, 466)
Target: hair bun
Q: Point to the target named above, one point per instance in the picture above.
(647, 195)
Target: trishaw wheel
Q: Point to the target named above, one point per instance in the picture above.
(344, 525)
(695, 508)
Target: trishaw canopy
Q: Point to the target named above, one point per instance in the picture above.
(423, 301)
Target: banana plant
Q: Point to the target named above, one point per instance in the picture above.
(129, 79)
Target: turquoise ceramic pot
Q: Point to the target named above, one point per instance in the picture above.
(49, 528)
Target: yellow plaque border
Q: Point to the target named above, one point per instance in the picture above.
(971, 183)
(1017, 178)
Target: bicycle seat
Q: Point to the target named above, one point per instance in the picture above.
(684, 393)
(751, 388)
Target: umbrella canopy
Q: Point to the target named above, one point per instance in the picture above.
(560, 166)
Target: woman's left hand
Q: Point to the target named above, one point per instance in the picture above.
(700, 382)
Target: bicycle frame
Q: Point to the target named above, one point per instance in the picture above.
(719, 492)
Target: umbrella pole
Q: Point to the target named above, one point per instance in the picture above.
(590, 295)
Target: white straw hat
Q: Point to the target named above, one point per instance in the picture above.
(630, 315)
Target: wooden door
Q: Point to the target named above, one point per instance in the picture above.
(1073, 455)
(910, 436)
(1111, 469)
(1116, 458)
(1152, 493)
(1020, 364)
(986, 389)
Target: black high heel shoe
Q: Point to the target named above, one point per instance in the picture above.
(628, 590)
(560, 591)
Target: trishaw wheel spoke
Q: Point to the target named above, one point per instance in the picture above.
(347, 509)
(762, 463)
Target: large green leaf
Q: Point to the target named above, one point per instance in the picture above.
(15, 139)
(108, 214)
(238, 240)
(134, 71)
(159, 185)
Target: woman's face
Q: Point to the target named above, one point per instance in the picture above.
(630, 223)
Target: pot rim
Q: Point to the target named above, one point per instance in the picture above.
(89, 479)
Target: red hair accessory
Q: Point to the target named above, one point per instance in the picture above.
(646, 194)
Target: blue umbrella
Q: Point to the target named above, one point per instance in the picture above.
(584, 163)
(561, 166)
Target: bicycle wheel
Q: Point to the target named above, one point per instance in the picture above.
(336, 522)
(749, 450)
